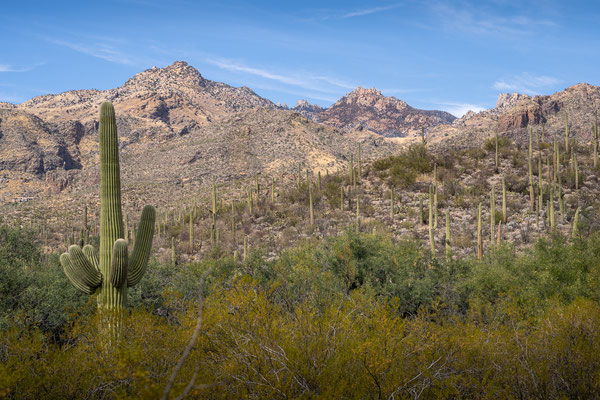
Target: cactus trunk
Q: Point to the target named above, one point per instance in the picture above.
(479, 234)
(310, 201)
(448, 248)
(492, 213)
(114, 271)
(357, 215)
(504, 210)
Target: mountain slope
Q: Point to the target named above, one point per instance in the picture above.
(170, 100)
(388, 116)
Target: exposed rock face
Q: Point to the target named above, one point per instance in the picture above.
(56, 181)
(307, 109)
(516, 113)
(579, 102)
(508, 100)
(28, 145)
(254, 141)
(388, 116)
(176, 129)
(159, 101)
(521, 115)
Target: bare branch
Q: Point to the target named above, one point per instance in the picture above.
(190, 344)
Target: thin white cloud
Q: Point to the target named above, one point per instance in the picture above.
(99, 50)
(318, 83)
(367, 11)
(471, 20)
(329, 14)
(7, 98)
(525, 83)
(302, 94)
(392, 91)
(460, 109)
(12, 68)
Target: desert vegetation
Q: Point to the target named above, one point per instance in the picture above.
(473, 273)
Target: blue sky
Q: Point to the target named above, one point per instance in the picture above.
(453, 55)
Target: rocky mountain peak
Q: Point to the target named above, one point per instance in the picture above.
(307, 109)
(304, 104)
(177, 75)
(388, 116)
(508, 100)
(370, 98)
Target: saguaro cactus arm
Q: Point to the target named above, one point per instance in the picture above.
(143, 245)
(111, 270)
(80, 271)
(118, 265)
(92, 255)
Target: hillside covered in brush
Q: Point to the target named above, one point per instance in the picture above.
(292, 259)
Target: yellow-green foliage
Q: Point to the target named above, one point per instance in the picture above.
(403, 169)
(503, 142)
(353, 347)
(353, 316)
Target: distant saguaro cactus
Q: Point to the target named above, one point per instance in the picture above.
(357, 214)
(492, 213)
(431, 227)
(504, 209)
(479, 234)
(447, 239)
(595, 139)
(566, 133)
(115, 271)
(310, 201)
(575, 231)
(392, 204)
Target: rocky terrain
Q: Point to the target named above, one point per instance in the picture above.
(178, 131)
(388, 116)
(182, 125)
(516, 113)
(307, 109)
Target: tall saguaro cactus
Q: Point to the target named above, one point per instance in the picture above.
(479, 234)
(116, 270)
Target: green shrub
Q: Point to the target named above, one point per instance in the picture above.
(402, 170)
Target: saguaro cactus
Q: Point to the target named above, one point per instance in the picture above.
(431, 227)
(448, 248)
(392, 204)
(566, 132)
(595, 139)
(357, 214)
(496, 143)
(173, 253)
(310, 204)
(551, 208)
(575, 231)
(272, 190)
(191, 238)
(359, 164)
(479, 234)
(492, 213)
(115, 271)
(504, 210)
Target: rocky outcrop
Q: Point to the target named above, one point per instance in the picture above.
(58, 180)
(157, 102)
(28, 145)
(526, 113)
(506, 101)
(388, 116)
(307, 109)
(579, 102)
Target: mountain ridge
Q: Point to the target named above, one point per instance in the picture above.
(176, 104)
